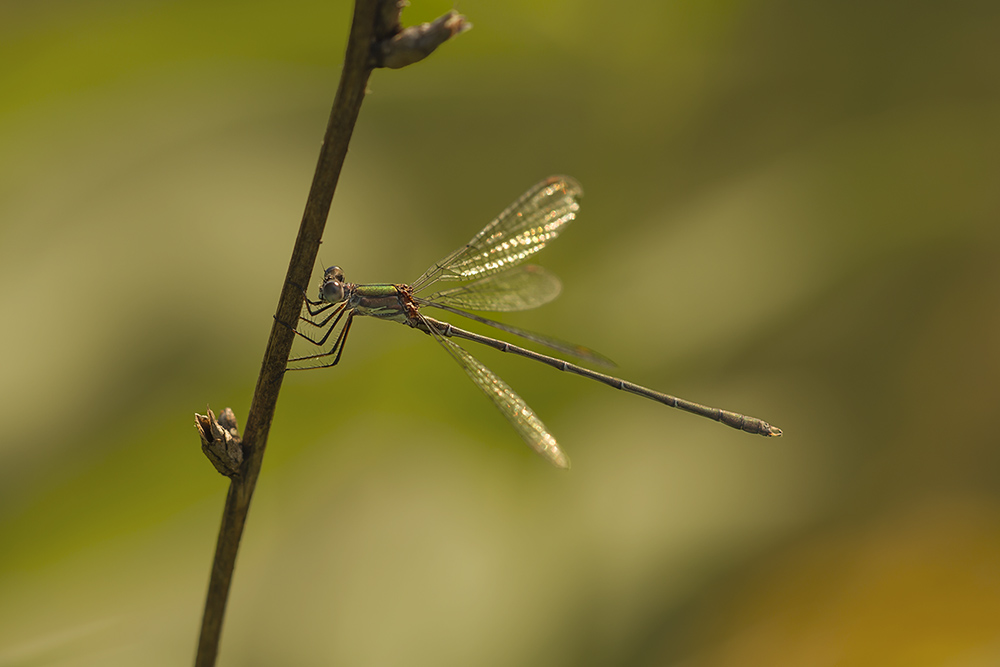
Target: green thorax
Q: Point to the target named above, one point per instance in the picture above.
(384, 301)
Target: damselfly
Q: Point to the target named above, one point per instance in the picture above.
(492, 262)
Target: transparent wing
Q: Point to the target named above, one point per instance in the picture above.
(520, 288)
(521, 417)
(524, 228)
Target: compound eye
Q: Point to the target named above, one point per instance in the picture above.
(332, 291)
(336, 273)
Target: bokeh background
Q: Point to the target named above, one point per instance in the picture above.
(791, 211)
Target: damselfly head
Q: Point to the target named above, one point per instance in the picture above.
(331, 289)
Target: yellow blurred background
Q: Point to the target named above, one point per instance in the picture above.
(791, 211)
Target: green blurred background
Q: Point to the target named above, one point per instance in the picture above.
(791, 211)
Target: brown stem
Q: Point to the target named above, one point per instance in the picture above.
(374, 22)
(346, 105)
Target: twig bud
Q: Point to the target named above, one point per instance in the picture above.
(417, 42)
(221, 441)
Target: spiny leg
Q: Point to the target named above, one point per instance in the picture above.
(322, 341)
(321, 306)
(338, 347)
(335, 316)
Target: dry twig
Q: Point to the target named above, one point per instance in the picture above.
(376, 39)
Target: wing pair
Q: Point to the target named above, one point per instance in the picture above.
(491, 260)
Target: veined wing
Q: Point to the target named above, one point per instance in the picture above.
(524, 228)
(520, 288)
(521, 417)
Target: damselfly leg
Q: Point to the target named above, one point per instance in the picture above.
(338, 344)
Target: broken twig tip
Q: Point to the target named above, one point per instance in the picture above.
(221, 441)
(415, 43)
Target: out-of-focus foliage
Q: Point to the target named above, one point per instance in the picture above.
(791, 211)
